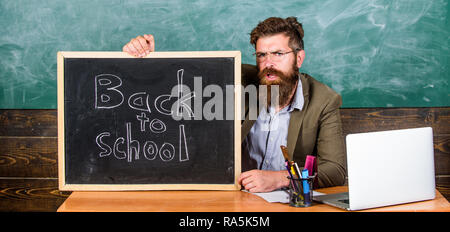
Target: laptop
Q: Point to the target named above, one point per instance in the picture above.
(387, 168)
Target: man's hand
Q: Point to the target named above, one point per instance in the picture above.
(140, 46)
(263, 180)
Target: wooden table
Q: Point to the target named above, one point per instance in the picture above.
(214, 201)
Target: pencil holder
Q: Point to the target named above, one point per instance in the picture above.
(301, 191)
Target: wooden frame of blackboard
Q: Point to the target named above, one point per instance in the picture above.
(128, 187)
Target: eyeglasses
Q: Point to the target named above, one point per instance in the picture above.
(276, 55)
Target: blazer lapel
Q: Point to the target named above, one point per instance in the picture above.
(296, 119)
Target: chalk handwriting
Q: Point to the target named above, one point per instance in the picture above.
(150, 150)
(183, 150)
(143, 119)
(106, 150)
(136, 101)
(183, 97)
(157, 126)
(160, 101)
(108, 95)
(107, 83)
(129, 148)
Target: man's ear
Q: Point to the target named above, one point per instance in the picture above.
(300, 58)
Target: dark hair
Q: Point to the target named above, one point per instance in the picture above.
(274, 25)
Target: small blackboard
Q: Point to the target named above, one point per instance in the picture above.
(163, 122)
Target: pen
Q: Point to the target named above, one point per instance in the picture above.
(294, 182)
(299, 174)
(297, 170)
(293, 172)
(285, 153)
(294, 186)
(286, 158)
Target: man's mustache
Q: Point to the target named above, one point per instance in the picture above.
(270, 70)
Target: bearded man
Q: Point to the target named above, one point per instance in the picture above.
(306, 119)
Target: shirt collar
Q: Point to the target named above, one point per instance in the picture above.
(298, 101)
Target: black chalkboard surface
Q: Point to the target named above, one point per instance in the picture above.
(167, 121)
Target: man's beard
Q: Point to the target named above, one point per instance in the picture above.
(286, 83)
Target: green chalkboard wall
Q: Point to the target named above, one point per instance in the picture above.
(375, 53)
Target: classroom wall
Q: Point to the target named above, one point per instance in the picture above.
(375, 53)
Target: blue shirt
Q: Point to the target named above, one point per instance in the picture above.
(267, 135)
